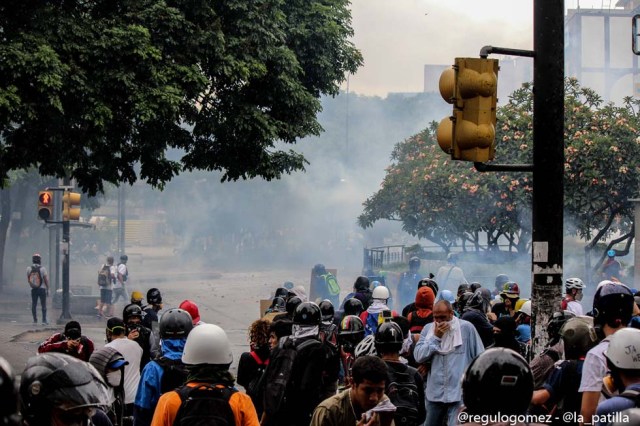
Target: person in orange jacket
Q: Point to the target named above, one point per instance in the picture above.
(208, 356)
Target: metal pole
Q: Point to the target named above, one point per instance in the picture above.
(548, 165)
(66, 246)
(121, 220)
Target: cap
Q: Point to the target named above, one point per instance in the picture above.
(114, 323)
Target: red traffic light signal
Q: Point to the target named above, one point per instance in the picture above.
(45, 205)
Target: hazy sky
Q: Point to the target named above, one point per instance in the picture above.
(398, 37)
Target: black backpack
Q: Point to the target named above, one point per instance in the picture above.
(174, 374)
(104, 276)
(403, 393)
(278, 373)
(205, 405)
(255, 386)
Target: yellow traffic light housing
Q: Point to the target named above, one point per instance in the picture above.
(70, 206)
(472, 87)
(45, 205)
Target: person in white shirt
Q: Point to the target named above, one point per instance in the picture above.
(450, 276)
(571, 302)
(122, 277)
(132, 352)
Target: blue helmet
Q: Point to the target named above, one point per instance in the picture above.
(611, 253)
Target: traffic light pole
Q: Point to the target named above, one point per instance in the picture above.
(548, 165)
(66, 314)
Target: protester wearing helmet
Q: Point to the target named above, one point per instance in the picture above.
(450, 276)
(499, 283)
(523, 321)
(408, 283)
(137, 297)
(475, 312)
(175, 326)
(510, 294)
(132, 317)
(361, 291)
(571, 301)
(410, 409)
(154, 300)
(208, 355)
(561, 387)
(378, 311)
(191, 307)
(8, 394)
(367, 346)
(353, 307)
(58, 389)
(290, 307)
(313, 362)
(70, 342)
(497, 371)
(623, 362)
(610, 269)
(449, 344)
(324, 285)
(111, 364)
(542, 364)
(132, 353)
(350, 334)
(328, 330)
(612, 308)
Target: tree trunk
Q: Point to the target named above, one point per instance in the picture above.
(5, 219)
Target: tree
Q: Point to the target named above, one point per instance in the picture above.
(99, 90)
(447, 202)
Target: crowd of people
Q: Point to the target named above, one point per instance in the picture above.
(445, 358)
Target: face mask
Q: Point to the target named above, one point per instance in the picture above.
(114, 378)
(579, 296)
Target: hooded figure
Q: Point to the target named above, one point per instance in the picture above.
(475, 311)
(422, 314)
(504, 335)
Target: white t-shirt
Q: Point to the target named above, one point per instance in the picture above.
(132, 352)
(594, 369)
(575, 307)
(449, 277)
(121, 269)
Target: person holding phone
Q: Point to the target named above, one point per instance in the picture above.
(70, 342)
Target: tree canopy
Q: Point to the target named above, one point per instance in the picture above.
(449, 201)
(100, 90)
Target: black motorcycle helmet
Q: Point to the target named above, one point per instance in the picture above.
(428, 282)
(326, 310)
(555, 325)
(8, 394)
(292, 304)
(279, 304)
(154, 297)
(36, 258)
(353, 306)
(307, 313)
(388, 338)
(124, 258)
(351, 332)
(281, 292)
(613, 305)
(130, 311)
(361, 284)
(52, 380)
(175, 324)
(499, 380)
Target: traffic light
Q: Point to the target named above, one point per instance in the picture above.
(472, 87)
(45, 205)
(70, 206)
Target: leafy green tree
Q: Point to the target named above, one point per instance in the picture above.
(99, 90)
(447, 201)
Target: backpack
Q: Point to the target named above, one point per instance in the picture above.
(254, 387)
(104, 276)
(205, 405)
(35, 277)
(403, 393)
(278, 373)
(418, 318)
(332, 284)
(174, 374)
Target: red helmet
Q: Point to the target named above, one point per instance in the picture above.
(191, 307)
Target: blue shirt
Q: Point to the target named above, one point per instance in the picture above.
(616, 404)
(444, 382)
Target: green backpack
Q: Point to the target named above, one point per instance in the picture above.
(332, 284)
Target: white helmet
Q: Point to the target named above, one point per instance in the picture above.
(576, 283)
(526, 308)
(622, 350)
(207, 344)
(380, 292)
(367, 346)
